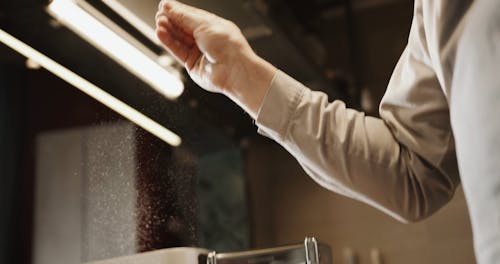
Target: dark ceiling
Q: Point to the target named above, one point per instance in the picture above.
(321, 43)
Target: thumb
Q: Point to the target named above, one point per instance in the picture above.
(184, 17)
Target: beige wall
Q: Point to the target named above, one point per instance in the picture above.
(286, 206)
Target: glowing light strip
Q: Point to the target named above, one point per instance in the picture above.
(95, 32)
(133, 20)
(91, 90)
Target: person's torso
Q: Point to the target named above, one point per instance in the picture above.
(415, 105)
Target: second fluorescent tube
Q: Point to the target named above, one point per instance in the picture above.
(91, 90)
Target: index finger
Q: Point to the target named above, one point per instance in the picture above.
(183, 16)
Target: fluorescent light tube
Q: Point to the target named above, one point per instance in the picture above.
(91, 29)
(90, 89)
(135, 21)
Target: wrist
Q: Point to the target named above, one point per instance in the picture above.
(252, 85)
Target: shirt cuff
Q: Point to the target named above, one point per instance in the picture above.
(279, 106)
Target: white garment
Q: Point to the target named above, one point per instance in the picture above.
(405, 162)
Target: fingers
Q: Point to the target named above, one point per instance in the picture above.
(176, 32)
(184, 17)
(184, 53)
(176, 23)
(174, 46)
(177, 42)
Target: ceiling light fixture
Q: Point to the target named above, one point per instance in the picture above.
(134, 20)
(90, 89)
(69, 13)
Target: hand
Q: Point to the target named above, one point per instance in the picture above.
(215, 53)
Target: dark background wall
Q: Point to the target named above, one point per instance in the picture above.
(10, 140)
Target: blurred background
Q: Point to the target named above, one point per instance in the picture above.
(80, 182)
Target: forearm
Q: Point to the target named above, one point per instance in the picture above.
(252, 83)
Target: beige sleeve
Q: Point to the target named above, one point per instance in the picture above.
(350, 153)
